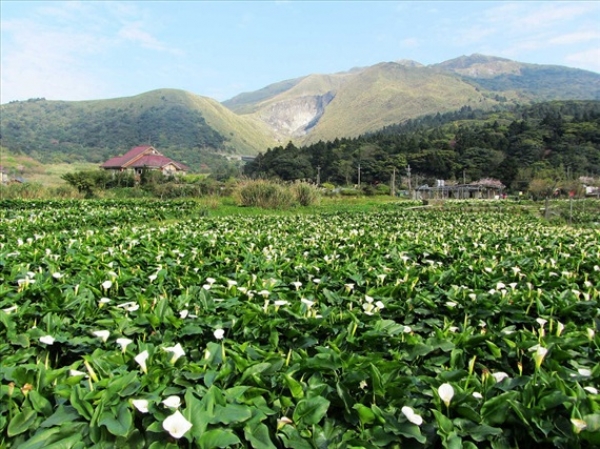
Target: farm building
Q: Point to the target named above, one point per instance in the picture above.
(485, 188)
(145, 157)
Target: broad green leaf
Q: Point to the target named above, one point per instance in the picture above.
(119, 425)
(310, 411)
(365, 414)
(70, 442)
(84, 408)
(63, 414)
(292, 439)
(258, 436)
(217, 438)
(444, 423)
(40, 439)
(294, 386)
(21, 422)
(39, 403)
(231, 413)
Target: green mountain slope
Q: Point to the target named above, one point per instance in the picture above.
(303, 110)
(325, 107)
(97, 130)
(534, 81)
(390, 93)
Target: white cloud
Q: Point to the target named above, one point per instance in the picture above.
(588, 59)
(135, 32)
(576, 37)
(65, 52)
(42, 62)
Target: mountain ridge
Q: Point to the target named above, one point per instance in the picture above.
(304, 110)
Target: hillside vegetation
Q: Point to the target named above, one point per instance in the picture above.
(550, 140)
(177, 122)
(304, 111)
(325, 107)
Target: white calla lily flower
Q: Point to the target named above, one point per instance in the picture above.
(499, 376)
(176, 425)
(412, 416)
(102, 335)
(177, 351)
(141, 360)
(446, 392)
(47, 339)
(140, 404)
(124, 342)
(172, 402)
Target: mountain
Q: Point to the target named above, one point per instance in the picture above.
(304, 110)
(97, 130)
(325, 107)
(533, 81)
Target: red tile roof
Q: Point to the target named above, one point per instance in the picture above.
(153, 161)
(136, 158)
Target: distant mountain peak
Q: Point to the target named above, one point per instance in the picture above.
(478, 65)
(409, 63)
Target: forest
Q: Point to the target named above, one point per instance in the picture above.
(514, 145)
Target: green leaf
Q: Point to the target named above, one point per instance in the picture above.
(217, 438)
(63, 414)
(163, 445)
(377, 383)
(344, 396)
(254, 370)
(201, 412)
(294, 386)
(258, 435)
(66, 443)
(310, 411)
(84, 408)
(231, 413)
(453, 441)
(21, 422)
(40, 439)
(444, 423)
(119, 425)
(292, 439)
(365, 414)
(554, 399)
(480, 433)
(408, 430)
(495, 411)
(40, 403)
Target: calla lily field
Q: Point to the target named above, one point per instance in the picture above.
(141, 324)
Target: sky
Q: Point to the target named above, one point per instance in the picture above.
(86, 50)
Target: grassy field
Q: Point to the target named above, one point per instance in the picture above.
(47, 175)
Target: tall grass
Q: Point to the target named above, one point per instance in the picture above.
(36, 191)
(274, 195)
(305, 194)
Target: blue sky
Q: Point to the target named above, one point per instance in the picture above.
(94, 50)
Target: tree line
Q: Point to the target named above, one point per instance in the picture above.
(514, 145)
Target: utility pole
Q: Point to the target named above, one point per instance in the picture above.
(409, 186)
(393, 189)
(318, 175)
(359, 176)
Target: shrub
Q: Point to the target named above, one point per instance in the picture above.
(305, 194)
(350, 192)
(264, 194)
(382, 189)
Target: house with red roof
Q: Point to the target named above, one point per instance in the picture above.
(145, 157)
